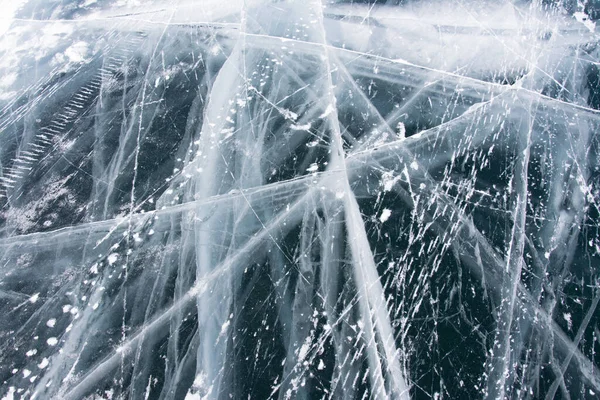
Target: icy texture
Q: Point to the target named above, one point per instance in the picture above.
(300, 200)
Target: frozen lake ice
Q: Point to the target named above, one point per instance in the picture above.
(299, 199)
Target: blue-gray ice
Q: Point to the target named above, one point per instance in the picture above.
(299, 199)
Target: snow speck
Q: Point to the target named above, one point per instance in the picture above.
(314, 167)
(304, 127)
(225, 326)
(304, 350)
(44, 363)
(385, 214)
(112, 258)
(400, 130)
(567, 317)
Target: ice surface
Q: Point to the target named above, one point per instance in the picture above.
(300, 199)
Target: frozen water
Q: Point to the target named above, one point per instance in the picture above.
(300, 199)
